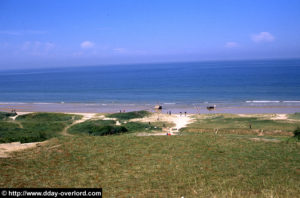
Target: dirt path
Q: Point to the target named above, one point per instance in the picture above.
(264, 140)
(86, 116)
(7, 148)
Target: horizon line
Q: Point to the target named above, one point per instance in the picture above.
(150, 63)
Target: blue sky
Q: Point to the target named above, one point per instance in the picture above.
(36, 34)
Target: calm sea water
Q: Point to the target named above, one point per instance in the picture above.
(268, 81)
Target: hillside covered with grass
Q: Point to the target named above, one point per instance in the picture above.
(192, 165)
(109, 127)
(34, 127)
(229, 123)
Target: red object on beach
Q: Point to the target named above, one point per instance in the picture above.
(169, 134)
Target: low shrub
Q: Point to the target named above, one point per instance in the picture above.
(140, 126)
(107, 130)
(97, 128)
(297, 133)
(129, 115)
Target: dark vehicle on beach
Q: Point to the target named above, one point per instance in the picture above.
(209, 108)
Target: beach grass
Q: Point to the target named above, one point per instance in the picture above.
(48, 117)
(295, 116)
(35, 127)
(191, 165)
(228, 123)
(99, 127)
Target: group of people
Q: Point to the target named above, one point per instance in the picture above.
(170, 113)
(184, 113)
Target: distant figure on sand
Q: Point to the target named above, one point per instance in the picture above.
(180, 113)
(185, 113)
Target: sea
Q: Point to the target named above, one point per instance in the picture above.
(254, 86)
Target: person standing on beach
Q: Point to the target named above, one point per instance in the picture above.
(180, 113)
(185, 113)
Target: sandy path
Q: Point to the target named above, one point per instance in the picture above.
(7, 148)
(179, 121)
(86, 116)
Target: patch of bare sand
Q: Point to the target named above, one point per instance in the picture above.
(18, 114)
(7, 148)
(257, 115)
(280, 117)
(179, 121)
(264, 140)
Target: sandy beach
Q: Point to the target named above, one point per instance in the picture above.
(280, 108)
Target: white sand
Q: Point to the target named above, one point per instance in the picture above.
(280, 117)
(179, 121)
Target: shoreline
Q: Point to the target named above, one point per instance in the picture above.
(173, 107)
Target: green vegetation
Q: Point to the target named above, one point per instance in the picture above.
(6, 115)
(295, 116)
(140, 126)
(231, 163)
(48, 117)
(129, 115)
(160, 124)
(227, 123)
(108, 127)
(191, 165)
(35, 127)
(97, 127)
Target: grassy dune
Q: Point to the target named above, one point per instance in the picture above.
(295, 116)
(6, 115)
(193, 165)
(109, 127)
(129, 115)
(34, 127)
(228, 123)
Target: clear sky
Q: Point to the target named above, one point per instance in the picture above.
(57, 33)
